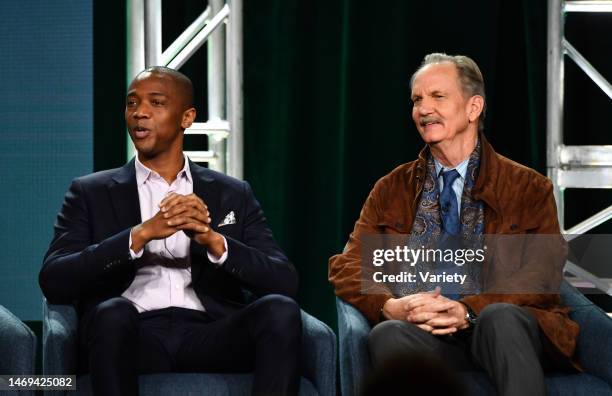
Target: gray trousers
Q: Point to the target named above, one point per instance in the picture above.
(505, 343)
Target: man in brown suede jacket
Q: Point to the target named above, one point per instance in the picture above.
(510, 336)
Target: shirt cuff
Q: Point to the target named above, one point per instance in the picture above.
(219, 261)
(133, 255)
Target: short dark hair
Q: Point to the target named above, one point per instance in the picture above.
(470, 77)
(182, 81)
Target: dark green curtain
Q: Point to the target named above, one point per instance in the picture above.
(327, 109)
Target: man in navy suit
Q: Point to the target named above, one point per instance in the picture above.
(172, 266)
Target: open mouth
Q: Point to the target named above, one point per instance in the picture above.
(140, 132)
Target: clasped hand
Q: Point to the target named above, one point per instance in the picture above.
(429, 311)
(187, 213)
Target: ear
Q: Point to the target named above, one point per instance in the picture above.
(189, 116)
(475, 106)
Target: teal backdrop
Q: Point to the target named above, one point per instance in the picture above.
(46, 116)
(327, 102)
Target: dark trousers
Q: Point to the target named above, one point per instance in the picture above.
(263, 338)
(505, 343)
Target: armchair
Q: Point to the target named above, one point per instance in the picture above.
(17, 348)
(17, 345)
(593, 351)
(318, 361)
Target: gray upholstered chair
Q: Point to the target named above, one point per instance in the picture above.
(318, 361)
(594, 352)
(17, 345)
(17, 348)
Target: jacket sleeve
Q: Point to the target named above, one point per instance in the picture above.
(345, 270)
(255, 259)
(74, 265)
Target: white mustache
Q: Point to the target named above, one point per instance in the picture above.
(428, 119)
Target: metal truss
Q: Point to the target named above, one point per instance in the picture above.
(574, 166)
(220, 26)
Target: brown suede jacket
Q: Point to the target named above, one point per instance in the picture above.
(517, 199)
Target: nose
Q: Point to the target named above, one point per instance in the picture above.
(425, 107)
(141, 111)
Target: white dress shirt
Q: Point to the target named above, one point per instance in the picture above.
(163, 278)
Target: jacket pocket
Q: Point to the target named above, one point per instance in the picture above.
(517, 226)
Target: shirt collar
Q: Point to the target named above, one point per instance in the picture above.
(461, 168)
(143, 173)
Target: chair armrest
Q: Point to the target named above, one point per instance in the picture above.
(353, 329)
(59, 339)
(17, 345)
(319, 354)
(595, 335)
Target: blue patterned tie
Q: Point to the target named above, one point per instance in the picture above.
(448, 204)
(449, 214)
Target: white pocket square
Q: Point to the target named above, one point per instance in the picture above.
(230, 218)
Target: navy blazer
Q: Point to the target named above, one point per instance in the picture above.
(88, 260)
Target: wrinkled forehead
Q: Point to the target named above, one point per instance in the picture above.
(435, 77)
